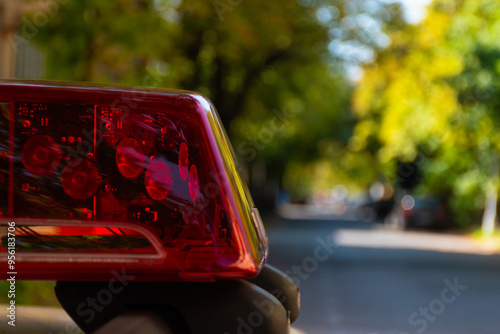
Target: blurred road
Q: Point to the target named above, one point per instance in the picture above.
(358, 279)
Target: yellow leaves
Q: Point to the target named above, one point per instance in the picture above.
(434, 29)
(364, 96)
(363, 130)
(406, 99)
(400, 38)
(445, 63)
(409, 101)
(416, 109)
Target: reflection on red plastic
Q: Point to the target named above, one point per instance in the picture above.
(154, 194)
(183, 160)
(82, 181)
(41, 155)
(130, 158)
(158, 180)
(193, 182)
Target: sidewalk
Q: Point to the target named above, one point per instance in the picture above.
(426, 241)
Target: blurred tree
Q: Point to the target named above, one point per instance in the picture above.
(275, 70)
(431, 99)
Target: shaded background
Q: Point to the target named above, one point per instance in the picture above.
(342, 106)
(313, 94)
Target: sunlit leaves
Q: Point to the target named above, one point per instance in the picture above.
(249, 57)
(438, 79)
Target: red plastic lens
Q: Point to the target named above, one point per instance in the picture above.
(158, 180)
(130, 158)
(41, 155)
(183, 160)
(193, 182)
(81, 181)
(119, 179)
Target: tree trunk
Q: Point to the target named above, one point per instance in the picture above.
(490, 208)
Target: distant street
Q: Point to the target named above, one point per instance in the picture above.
(358, 279)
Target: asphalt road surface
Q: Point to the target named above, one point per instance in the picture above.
(356, 278)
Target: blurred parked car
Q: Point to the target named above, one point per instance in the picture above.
(412, 211)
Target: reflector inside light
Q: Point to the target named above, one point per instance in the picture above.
(130, 158)
(80, 181)
(193, 182)
(183, 160)
(158, 180)
(41, 155)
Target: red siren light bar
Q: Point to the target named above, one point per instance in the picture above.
(100, 178)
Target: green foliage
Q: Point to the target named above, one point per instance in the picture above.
(250, 58)
(435, 87)
(30, 293)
